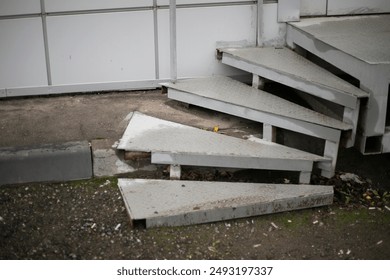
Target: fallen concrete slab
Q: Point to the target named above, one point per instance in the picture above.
(176, 144)
(154, 203)
(51, 162)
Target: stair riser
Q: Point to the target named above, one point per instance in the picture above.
(225, 214)
(232, 162)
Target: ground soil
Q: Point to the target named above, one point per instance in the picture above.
(87, 219)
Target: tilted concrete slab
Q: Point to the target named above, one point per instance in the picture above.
(156, 203)
(287, 67)
(173, 143)
(236, 93)
(52, 162)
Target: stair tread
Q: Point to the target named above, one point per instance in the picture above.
(234, 92)
(288, 62)
(175, 203)
(366, 38)
(148, 134)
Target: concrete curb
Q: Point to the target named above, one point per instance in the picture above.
(51, 162)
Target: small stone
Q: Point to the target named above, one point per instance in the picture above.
(212, 249)
(274, 225)
(379, 242)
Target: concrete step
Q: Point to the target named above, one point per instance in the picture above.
(154, 203)
(289, 68)
(359, 46)
(232, 97)
(176, 144)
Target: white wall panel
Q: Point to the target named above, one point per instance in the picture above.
(199, 32)
(19, 7)
(101, 47)
(181, 2)
(273, 31)
(344, 7)
(22, 57)
(289, 10)
(80, 5)
(313, 7)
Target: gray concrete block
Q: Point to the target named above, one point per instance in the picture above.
(108, 161)
(50, 162)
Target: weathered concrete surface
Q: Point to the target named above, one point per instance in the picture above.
(176, 144)
(368, 37)
(51, 162)
(176, 203)
(58, 119)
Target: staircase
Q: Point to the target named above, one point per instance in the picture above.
(232, 97)
(286, 67)
(180, 203)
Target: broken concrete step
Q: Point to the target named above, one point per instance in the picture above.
(176, 144)
(154, 203)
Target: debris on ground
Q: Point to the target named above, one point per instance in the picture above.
(88, 220)
(348, 177)
(352, 190)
